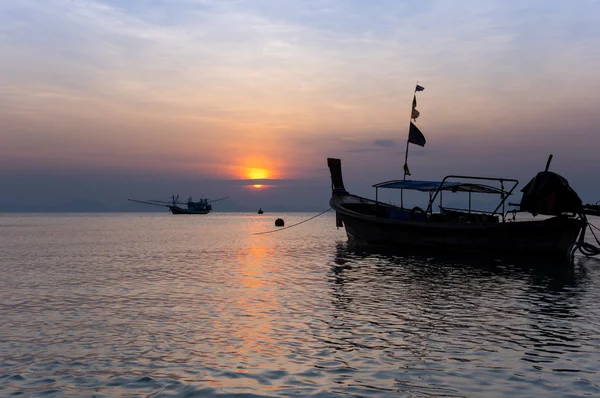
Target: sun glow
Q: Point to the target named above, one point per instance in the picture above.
(257, 174)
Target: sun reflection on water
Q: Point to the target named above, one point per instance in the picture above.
(257, 307)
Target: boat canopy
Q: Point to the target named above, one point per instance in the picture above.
(429, 186)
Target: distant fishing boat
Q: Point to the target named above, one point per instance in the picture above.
(202, 206)
(260, 211)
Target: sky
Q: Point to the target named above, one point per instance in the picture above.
(110, 99)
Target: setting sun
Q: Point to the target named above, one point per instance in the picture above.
(257, 174)
(257, 171)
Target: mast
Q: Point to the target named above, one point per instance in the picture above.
(406, 161)
(414, 134)
(406, 170)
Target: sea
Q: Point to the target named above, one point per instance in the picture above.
(219, 305)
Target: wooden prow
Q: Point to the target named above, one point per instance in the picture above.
(337, 182)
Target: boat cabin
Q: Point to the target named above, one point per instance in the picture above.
(467, 184)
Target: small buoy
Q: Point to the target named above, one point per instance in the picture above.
(279, 222)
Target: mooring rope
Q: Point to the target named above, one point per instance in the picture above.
(587, 249)
(293, 225)
(595, 227)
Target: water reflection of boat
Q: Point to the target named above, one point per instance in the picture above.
(465, 229)
(202, 206)
(423, 310)
(353, 251)
(418, 266)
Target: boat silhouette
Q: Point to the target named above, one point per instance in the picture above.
(465, 229)
(202, 206)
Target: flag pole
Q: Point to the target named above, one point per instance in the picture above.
(406, 159)
(408, 137)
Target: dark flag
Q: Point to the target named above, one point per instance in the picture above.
(415, 136)
(414, 114)
(419, 88)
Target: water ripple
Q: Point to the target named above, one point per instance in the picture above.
(159, 306)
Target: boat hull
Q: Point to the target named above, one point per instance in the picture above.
(179, 210)
(551, 237)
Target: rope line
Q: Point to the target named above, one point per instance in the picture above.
(587, 249)
(593, 226)
(293, 225)
(583, 247)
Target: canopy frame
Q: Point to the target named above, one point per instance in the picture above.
(436, 188)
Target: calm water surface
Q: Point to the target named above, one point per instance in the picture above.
(160, 305)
